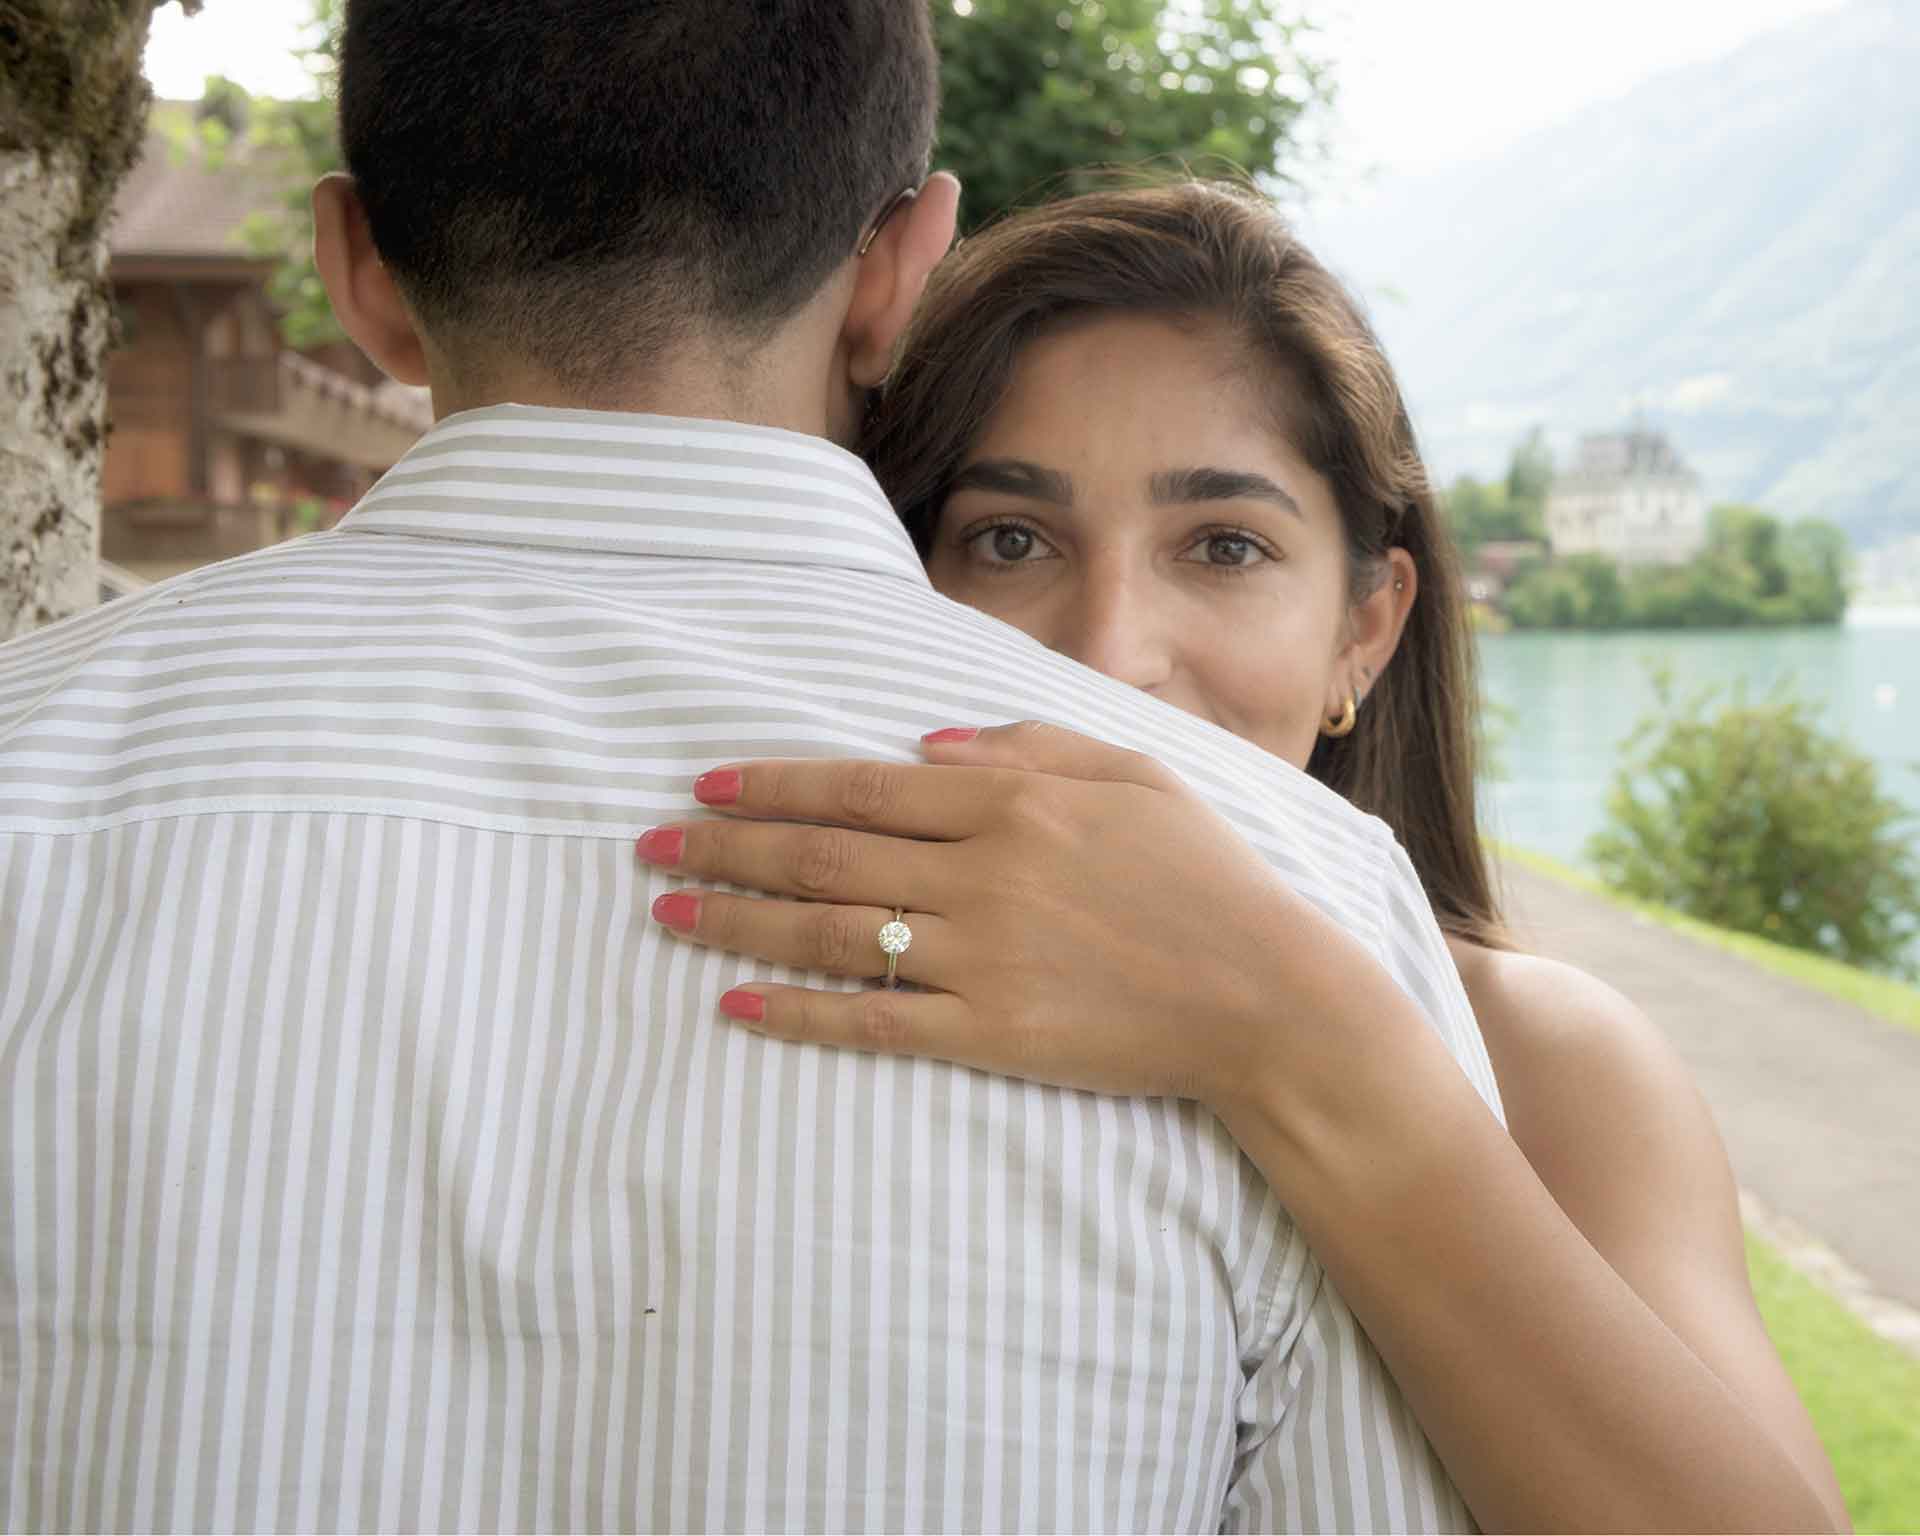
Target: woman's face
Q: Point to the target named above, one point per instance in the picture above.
(1132, 505)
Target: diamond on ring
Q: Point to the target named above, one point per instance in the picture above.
(894, 939)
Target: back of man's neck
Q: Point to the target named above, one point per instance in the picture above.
(690, 388)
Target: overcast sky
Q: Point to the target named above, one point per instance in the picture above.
(1430, 82)
(1422, 82)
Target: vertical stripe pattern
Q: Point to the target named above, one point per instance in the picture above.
(368, 1161)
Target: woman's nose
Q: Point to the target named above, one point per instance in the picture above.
(1115, 627)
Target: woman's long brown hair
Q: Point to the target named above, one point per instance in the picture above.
(1217, 250)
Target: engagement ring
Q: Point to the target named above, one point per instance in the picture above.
(895, 938)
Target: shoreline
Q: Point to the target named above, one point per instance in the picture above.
(1896, 615)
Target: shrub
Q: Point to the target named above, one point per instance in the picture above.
(1751, 817)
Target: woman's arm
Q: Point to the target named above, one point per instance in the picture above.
(1561, 1390)
(1081, 920)
(1611, 1121)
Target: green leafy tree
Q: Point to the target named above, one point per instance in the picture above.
(1033, 94)
(1487, 512)
(282, 148)
(1818, 557)
(1751, 817)
(1752, 539)
(301, 135)
(1583, 592)
(1513, 509)
(1547, 597)
(1602, 589)
(1530, 471)
(1716, 590)
(224, 112)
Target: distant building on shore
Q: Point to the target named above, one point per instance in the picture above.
(1495, 565)
(1630, 497)
(1890, 575)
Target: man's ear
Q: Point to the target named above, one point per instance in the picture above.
(1375, 625)
(892, 274)
(365, 299)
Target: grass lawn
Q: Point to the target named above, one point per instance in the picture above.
(1881, 996)
(1863, 1392)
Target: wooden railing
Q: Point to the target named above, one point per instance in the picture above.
(303, 405)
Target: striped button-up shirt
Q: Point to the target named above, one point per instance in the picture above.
(369, 1161)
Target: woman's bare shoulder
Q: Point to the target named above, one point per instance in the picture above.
(1595, 1093)
(1534, 1006)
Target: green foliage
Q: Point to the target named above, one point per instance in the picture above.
(1859, 1388)
(301, 135)
(1530, 471)
(1488, 512)
(1755, 570)
(1504, 511)
(1753, 818)
(1583, 592)
(1034, 93)
(282, 148)
(224, 111)
(1817, 556)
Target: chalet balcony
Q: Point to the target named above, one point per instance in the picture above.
(298, 404)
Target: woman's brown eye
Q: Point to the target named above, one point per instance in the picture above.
(1011, 544)
(1228, 549)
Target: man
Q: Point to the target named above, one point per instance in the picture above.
(369, 1160)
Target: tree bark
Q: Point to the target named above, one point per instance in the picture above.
(73, 110)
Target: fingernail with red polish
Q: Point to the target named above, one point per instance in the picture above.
(662, 845)
(678, 910)
(721, 787)
(747, 1007)
(953, 734)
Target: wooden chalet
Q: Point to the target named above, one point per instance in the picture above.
(224, 439)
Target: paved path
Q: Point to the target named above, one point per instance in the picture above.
(1819, 1101)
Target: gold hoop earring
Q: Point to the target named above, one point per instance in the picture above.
(1344, 725)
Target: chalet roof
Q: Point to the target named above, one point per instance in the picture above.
(176, 203)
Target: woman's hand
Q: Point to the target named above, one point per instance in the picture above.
(1079, 917)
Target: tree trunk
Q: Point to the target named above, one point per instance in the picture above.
(73, 109)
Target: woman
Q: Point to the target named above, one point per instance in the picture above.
(1150, 430)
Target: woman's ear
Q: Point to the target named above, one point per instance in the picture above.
(1374, 627)
(891, 273)
(365, 298)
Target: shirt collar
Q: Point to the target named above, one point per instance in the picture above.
(614, 483)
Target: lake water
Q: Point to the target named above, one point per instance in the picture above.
(1572, 699)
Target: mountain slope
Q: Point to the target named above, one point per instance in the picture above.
(1732, 249)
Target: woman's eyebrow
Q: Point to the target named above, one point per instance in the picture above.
(1016, 477)
(1182, 487)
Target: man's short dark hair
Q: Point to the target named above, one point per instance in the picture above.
(580, 182)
